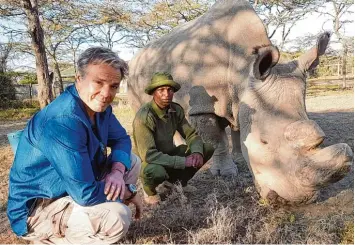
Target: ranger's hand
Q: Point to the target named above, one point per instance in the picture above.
(115, 185)
(194, 160)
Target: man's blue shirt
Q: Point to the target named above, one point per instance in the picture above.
(59, 154)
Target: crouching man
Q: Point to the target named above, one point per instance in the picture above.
(63, 187)
(153, 129)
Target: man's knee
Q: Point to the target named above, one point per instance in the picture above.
(106, 222)
(136, 162)
(116, 223)
(131, 176)
(154, 173)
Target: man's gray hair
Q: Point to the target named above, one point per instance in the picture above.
(99, 55)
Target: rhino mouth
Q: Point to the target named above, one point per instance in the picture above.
(341, 173)
(314, 170)
(276, 201)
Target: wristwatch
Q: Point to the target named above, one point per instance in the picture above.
(133, 189)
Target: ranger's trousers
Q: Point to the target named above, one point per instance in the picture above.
(153, 175)
(64, 221)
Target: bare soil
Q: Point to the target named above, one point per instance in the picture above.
(231, 211)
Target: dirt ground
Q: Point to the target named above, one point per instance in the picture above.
(196, 218)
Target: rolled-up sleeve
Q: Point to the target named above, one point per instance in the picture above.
(64, 144)
(120, 142)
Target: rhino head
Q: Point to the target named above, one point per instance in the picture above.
(279, 141)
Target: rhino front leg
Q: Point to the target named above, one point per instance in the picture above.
(222, 159)
(237, 154)
(210, 130)
(236, 147)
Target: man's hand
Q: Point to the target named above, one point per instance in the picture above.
(137, 201)
(114, 183)
(194, 160)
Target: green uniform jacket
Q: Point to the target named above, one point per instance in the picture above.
(153, 131)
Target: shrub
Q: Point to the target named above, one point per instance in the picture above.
(7, 89)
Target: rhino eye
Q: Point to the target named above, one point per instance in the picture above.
(264, 141)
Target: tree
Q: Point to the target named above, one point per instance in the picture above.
(282, 15)
(5, 50)
(29, 9)
(7, 90)
(73, 43)
(61, 20)
(339, 10)
(152, 19)
(45, 95)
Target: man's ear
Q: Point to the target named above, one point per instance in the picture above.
(78, 77)
(310, 59)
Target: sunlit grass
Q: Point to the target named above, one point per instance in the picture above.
(17, 110)
(327, 89)
(17, 114)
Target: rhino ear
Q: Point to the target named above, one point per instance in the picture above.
(310, 59)
(267, 58)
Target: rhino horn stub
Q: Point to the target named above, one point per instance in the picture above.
(310, 59)
(305, 134)
(267, 57)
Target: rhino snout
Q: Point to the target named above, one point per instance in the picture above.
(330, 164)
(305, 134)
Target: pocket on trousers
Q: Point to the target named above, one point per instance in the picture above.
(60, 218)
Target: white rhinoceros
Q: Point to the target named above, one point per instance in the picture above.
(230, 76)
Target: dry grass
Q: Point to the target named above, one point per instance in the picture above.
(230, 212)
(6, 157)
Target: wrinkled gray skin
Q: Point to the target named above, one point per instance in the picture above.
(230, 76)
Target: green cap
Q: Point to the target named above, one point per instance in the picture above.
(161, 79)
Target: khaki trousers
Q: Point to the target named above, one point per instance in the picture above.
(65, 222)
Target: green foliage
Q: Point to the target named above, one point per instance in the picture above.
(16, 110)
(7, 89)
(29, 78)
(160, 17)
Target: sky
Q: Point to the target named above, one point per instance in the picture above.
(314, 23)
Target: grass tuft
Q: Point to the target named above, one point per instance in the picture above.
(347, 234)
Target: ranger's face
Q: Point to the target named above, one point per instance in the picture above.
(163, 96)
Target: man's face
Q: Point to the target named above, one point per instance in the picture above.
(98, 87)
(163, 96)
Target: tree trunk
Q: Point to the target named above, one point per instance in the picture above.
(343, 63)
(45, 95)
(58, 75)
(74, 61)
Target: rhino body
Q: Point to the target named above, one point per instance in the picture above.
(230, 76)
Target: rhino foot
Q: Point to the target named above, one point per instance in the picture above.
(229, 170)
(223, 166)
(237, 157)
